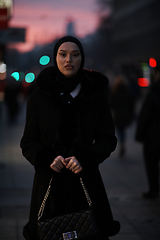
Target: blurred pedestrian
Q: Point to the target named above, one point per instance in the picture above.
(2, 90)
(69, 131)
(122, 104)
(148, 133)
(11, 100)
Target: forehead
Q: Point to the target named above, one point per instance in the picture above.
(68, 46)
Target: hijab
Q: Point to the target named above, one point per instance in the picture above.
(65, 84)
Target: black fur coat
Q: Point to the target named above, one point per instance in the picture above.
(84, 129)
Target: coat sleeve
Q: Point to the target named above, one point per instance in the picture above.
(105, 139)
(33, 149)
(104, 142)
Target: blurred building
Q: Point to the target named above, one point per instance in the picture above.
(70, 29)
(136, 31)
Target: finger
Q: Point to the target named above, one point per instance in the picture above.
(58, 162)
(59, 158)
(74, 167)
(70, 163)
(56, 165)
(66, 161)
(56, 169)
(69, 166)
(63, 162)
(78, 171)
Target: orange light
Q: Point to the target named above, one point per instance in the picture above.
(152, 62)
(143, 82)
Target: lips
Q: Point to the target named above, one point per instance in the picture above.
(69, 66)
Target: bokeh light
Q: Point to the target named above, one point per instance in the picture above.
(3, 67)
(143, 82)
(18, 76)
(3, 70)
(29, 77)
(44, 60)
(15, 75)
(21, 76)
(152, 62)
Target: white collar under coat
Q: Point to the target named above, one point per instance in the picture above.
(75, 92)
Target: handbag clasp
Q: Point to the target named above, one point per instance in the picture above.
(69, 235)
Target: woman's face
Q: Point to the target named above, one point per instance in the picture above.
(68, 59)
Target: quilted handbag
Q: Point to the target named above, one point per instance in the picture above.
(78, 225)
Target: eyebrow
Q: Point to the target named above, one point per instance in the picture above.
(72, 51)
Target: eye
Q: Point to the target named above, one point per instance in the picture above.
(76, 54)
(62, 54)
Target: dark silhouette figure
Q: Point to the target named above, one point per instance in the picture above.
(122, 104)
(11, 101)
(2, 89)
(148, 133)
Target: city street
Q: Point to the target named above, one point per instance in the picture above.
(124, 179)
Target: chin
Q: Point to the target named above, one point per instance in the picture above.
(69, 75)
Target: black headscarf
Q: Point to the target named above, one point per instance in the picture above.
(65, 84)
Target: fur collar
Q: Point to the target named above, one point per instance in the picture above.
(94, 83)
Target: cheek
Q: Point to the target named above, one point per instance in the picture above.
(78, 63)
(59, 62)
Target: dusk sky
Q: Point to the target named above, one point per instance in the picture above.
(46, 20)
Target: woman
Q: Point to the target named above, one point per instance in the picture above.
(69, 131)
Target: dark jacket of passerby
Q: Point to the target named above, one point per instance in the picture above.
(82, 128)
(148, 123)
(122, 104)
(11, 100)
(148, 133)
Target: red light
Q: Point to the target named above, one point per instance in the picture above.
(143, 82)
(25, 84)
(152, 62)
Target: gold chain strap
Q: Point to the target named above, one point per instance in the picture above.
(41, 210)
(86, 193)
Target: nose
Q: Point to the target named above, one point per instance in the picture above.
(69, 58)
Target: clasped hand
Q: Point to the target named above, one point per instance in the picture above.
(70, 163)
